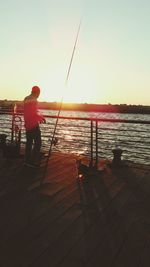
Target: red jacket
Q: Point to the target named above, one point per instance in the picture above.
(31, 116)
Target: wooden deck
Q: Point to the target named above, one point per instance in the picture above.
(68, 222)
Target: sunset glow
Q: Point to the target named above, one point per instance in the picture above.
(112, 58)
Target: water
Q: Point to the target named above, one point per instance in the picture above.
(133, 139)
(75, 136)
(145, 117)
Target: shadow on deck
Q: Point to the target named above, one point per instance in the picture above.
(103, 220)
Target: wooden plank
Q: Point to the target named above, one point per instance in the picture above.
(39, 218)
(26, 253)
(65, 223)
(82, 251)
(60, 248)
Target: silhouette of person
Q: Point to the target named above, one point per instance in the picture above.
(32, 119)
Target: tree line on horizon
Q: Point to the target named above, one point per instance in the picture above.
(116, 108)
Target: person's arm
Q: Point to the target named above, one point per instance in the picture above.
(40, 117)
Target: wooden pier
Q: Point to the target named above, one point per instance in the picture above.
(102, 220)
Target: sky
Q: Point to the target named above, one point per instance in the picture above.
(111, 62)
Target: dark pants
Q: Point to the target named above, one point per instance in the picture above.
(33, 145)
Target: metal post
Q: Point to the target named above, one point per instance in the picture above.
(96, 145)
(12, 127)
(91, 162)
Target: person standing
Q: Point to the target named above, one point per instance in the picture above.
(32, 119)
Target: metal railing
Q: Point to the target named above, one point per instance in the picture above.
(90, 137)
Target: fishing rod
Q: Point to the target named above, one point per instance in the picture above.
(61, 102)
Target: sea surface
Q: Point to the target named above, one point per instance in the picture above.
(75, 135)
(109, 115)
(133, 139)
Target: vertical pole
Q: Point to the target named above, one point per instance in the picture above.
(12, 128)
(96, 144)
(91, 162)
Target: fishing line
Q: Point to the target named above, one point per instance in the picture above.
(61, 102)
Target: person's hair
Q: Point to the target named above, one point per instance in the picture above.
(35, 89)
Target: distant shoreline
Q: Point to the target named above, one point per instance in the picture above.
(85, 107)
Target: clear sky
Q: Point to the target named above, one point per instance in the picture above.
(112, 58)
